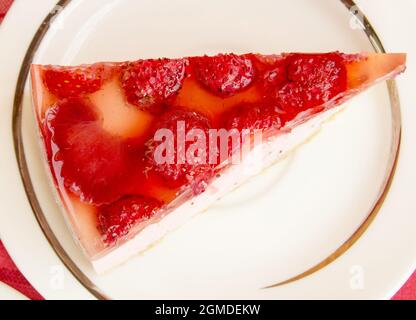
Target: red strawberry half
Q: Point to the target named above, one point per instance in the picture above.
(252, 117)
(116, 220)
(149, 83)
(90, 161)
(178, 169)
(224, 74)
(313, 79)
(255, 117)
(66, 82)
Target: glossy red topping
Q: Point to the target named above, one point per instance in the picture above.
(73, 81)
(224, 74)
(180, 170)
(149, 83)
(275, 78)
(122, 177)
(93, 162)
(116, 220)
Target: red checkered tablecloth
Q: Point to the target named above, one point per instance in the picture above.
(10, 275)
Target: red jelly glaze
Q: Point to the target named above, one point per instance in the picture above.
(119, 176)
(116, 220)
(255, 117)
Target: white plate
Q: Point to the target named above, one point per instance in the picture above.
(8, 293)
(278, 225)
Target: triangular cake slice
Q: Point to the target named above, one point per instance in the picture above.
(125, 145)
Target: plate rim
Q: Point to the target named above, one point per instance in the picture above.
(340, 0)
(71, 265)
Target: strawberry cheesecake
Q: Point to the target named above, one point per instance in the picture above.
(135, 149)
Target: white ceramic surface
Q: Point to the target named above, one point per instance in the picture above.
(276, 226)
(8, 293)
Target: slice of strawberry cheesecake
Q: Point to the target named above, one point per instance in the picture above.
(134, 149)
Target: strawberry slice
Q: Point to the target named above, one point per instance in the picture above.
(224, 74)
(149, 83)
(116, 220)
(177, 172)
(313, 79)
(66, 82)
(90, 161)
(255, 117)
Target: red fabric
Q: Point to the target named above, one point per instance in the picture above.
(408, 291)
(11, 276)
